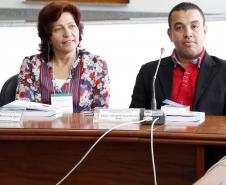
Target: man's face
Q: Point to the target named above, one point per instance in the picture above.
(187, 32)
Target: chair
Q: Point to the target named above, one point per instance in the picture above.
(8, 91)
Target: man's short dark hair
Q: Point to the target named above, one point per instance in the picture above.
(184, 7)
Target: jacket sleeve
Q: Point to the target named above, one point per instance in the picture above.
(141, 92)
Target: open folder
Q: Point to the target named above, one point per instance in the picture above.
(32, 108)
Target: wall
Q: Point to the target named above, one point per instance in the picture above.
(209, 6)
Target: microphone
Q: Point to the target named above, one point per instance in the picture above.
(153, 101)
(154, 113)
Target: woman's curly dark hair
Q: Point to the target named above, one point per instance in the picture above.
(47, 16)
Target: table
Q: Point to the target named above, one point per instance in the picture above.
(42, 151)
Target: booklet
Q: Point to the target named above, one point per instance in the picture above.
(192, 116)
(174, 110)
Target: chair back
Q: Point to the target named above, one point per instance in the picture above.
(8, 91)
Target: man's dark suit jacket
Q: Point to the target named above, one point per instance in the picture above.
(210, 92)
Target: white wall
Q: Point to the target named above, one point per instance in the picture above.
(209, 6)
(125, 47)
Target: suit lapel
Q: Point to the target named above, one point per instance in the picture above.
(165, 76)
(206, 74)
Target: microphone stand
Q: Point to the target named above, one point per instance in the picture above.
(153, 100)
(154, 112)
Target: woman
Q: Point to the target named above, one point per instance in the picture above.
(62, 67)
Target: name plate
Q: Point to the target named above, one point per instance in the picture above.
(117, 115)
(10, 116)
(10, 119)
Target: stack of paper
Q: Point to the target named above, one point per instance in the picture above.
(179, 113)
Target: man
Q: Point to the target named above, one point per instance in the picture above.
(189, 76)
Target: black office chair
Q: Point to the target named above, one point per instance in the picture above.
(8, 91)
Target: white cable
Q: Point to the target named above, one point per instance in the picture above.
(152, 150)
(90, 149)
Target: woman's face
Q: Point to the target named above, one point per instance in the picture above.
(65, 34)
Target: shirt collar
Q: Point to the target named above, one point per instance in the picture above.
(197, 60)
